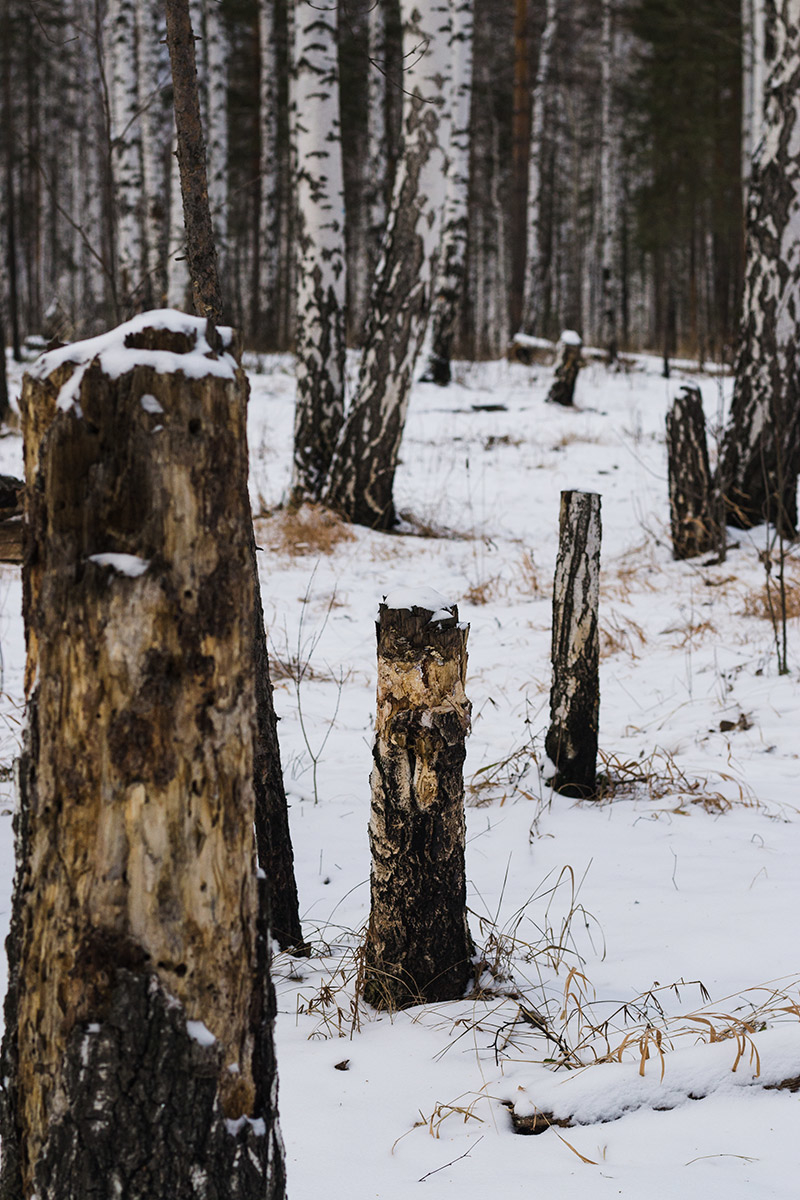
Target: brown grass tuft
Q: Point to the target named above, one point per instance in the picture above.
(308, 530)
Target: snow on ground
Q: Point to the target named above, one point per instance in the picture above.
(657, 927)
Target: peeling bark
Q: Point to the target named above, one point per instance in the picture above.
(418, 944)
(137, 906)
(695, 529)
(571, 741)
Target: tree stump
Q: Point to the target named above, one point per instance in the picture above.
(571, 741)
(418, 944)
(138, 1058)
(568, 364)
(695, 529)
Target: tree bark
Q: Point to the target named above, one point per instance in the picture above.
(695, 528)
(453, 252)
(126, 151)
(533, 294)
(321, 273)
(568, 364)
(138, 1057)
(200, 247)
(361, 479)
(571, 741)
(418, 943)
(760, 456)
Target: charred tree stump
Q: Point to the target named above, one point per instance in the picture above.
(695, 529)
(568, 363)
(138, 1057)
(571, 741)
(418, 944)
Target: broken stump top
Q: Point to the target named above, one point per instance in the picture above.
(166, 340)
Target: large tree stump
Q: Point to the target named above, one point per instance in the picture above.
(571, 741)
(418, 943)
(695, 528)
(568, 363)
(138, 1058)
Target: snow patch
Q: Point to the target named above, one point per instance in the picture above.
(200, 1033)
(123, 564)
(570, 338)
(420, 597)
(150, 404)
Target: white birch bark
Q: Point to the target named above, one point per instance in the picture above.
(268, 222)
(126, 148)
(453, 253)
(753, 81)
(319, 237)
(761, 452)
(153, 77)
(216, 86)
(377, 162)
(534, 257)
(609, 190)
(362, 474)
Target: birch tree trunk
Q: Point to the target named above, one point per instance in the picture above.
(694, 526)
(122, 72)
(760, 455)
(534, 257)
(418, 944)
(453, 252)
(156, 132)
(361, 478)
(268, 213)
(610, 198)
(321, 274)
(138, 1056)
(753, 70)
(216, 86)
(571, 741)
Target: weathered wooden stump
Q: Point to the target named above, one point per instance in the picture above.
(568, 363)
(138, 1057)
(695, 528)
(571, 741)
(418, 944)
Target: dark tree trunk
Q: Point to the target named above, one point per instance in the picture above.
(138, 1057)
(695, 528)
(418, 943)
(5, 406)
(274, 840)
(201, 250)
(568, 364)
(571, 741)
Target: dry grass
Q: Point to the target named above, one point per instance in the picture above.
(757, 602)
(485, 591)
(620, 635)
(658, 777)
(308, 530)
(573, 438)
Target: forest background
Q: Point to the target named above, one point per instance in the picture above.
(629, 116)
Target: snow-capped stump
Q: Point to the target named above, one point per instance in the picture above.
(139, 918)
(569, 360)
(571, 741)
(694, 525)
(418, 944)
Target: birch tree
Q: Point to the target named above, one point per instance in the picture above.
(535, 255)
(452, 261)
(361, 479)
(761, 452)
(268, 223)
(126, 147)
(609, 191)
(321, 275)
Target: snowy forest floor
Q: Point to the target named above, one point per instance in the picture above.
(655, 929)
